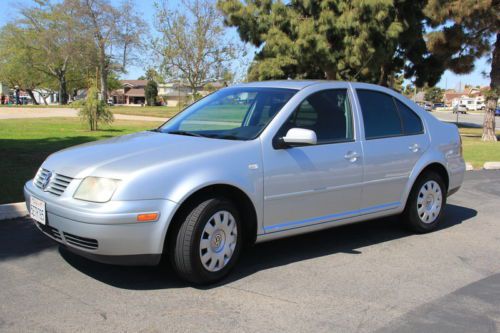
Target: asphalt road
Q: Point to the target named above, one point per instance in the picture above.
(468, 119)
(372, 276)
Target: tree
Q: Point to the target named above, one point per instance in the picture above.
(151, 92)
(434, 94)
(463, 32)
(116, 33)
(192, 45)
(95, 111)
(373, 41)
(151, 75)
(43, 50)
(17, 63)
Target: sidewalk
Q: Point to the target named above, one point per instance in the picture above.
(25, 113)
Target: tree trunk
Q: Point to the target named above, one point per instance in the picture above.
(103, 74)
(491, 101)
(63, 89)
(32, 96)
(330, 74)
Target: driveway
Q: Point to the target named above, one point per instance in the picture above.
(24, 113)
(367, 277)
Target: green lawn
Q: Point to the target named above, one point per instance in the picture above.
(150, 111)
(25, 143)
(476, 151)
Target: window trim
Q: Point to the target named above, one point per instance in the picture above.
(394, 99)
(276, 137)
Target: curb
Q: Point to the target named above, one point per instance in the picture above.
(491, 166)
(13, 210)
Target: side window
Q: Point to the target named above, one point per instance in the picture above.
(328, 113)
(380, 116)
(411, 121)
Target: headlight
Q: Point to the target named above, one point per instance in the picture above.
(96, 189)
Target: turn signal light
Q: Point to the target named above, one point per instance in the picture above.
(149, 217)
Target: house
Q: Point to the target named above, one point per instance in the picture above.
(472, 98)
(450, 96)
(132, 92)
(173, 93)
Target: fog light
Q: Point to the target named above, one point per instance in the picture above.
(148, 217)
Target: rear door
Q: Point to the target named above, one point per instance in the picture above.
(394, 140)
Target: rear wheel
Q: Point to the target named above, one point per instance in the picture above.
(208, 241)
(425, 204)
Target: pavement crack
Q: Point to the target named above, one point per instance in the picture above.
(262, 295)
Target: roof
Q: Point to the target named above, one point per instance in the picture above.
(453, 95)
(135, 83)
(135, 92)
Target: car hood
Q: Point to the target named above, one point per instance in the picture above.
(121, 156)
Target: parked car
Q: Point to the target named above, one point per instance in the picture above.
(438, 105)
(292, 157)
(497, 111)
(427, 107)
(460, 108)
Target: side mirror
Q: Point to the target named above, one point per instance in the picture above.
(296, 137)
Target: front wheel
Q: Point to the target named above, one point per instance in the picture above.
(423, 211)
(208, 241)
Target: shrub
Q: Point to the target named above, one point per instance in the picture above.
(95, 111)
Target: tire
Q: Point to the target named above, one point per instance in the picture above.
(425, 204)
(208, 241)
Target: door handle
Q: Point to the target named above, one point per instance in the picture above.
(414, 147)
(351, 156)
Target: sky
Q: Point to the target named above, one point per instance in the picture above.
(145, 7)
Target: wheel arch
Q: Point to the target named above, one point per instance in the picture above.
(237, 196)
(435, 166)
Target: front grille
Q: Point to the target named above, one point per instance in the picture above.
(86, 243)
(56, 185)
(51, 231)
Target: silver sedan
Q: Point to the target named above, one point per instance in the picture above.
(249, 163)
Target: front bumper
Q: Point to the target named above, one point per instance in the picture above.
(106, 232)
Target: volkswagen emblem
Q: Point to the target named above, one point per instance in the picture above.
(46, 181)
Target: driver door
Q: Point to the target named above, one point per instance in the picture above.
(314, 184)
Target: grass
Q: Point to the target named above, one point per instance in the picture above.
(149, 111)
(476, 151)
(26, 143)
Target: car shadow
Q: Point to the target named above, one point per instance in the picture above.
(346, 239)
(20, 237)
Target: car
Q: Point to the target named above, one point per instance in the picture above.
(427, 107)
(497, 111)
(460, 108)
(438, 105)
(294, 157)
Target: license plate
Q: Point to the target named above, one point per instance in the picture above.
(37, 210)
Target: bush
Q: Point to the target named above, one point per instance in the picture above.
(95, 111)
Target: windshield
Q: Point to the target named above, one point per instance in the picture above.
(231, 113)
